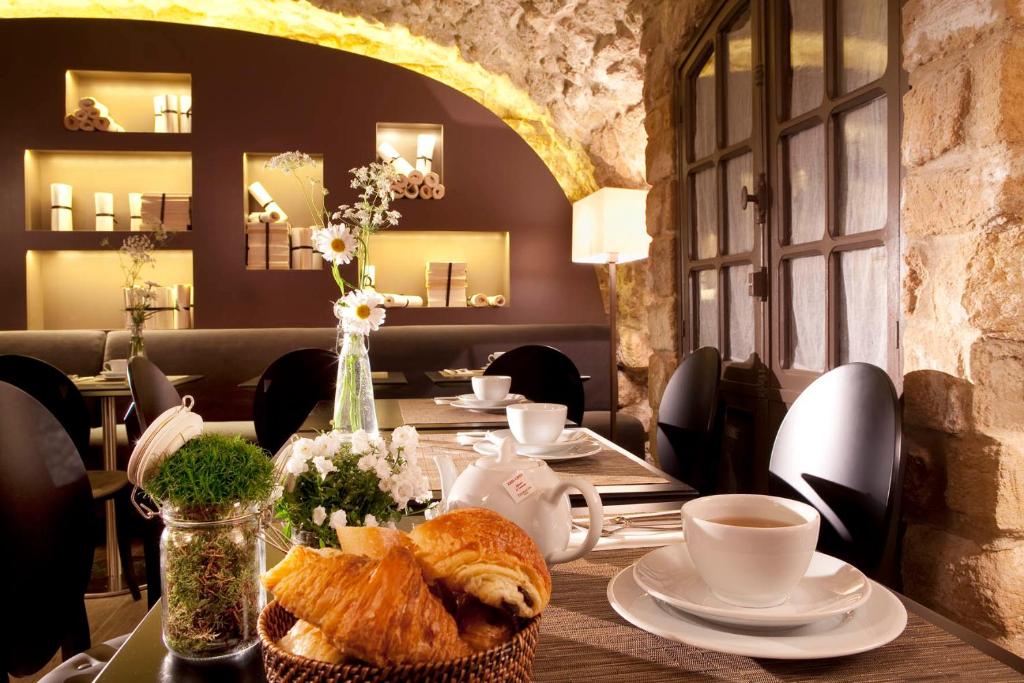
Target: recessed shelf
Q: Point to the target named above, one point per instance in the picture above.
(128, 95)
(399, 258)
(281, 186)
(403, 137)
(73, 289)
(88, 172)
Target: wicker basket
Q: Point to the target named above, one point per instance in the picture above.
(511, 662)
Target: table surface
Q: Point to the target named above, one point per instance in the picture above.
(582, 638)
(379, 378)
(436, 377)
(390, 415)
(99, 386)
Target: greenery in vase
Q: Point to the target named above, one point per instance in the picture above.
(363, 481)
(135, 255)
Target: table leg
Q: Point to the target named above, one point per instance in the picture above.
(108, 415)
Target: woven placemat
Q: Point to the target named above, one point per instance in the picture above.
(424, 411)
(605, 468)
(583, 637)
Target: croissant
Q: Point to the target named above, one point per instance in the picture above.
(479, 552)
(372, 541)
(307, 640)
(379, 611)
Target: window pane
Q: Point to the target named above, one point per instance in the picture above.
(706, 213)
(740, 228)
(804, 155)
(862, 31)
(738, 87)
(707, 308)
(862, 168)
(740, 313)
(806, 55)
(806, 299)
(863, 313)
(704, 109)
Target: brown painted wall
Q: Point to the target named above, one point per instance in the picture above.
(326, 101)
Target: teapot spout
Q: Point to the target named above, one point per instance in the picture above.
(446, 468)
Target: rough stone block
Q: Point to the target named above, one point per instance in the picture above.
(660, 368)
(663, 265)
(997, 371)
(924, 478)
(932, 28)
(934, 110)
(938, 401)
(661, 159)
(663, 324)
(994, 292)
(661, 208)
(936, 270)
(960, 195)
(634, 347)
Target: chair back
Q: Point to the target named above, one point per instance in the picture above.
(152, 392)
(46, 511)
(686, 444)
(288, 390)
(839, 449)
(55, 390)
(542, 374)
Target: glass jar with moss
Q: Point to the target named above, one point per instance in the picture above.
(212, 492)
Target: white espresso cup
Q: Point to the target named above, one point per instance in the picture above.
(750, 550)
(536, 424)
(491, 387)
(116, 366)
(491, 357)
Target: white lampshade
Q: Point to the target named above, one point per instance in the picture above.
(610, 225)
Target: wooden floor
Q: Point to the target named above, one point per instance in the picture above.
(108, 618)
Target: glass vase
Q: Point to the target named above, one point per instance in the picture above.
(136, 343)
(210, 566)
(353, 393)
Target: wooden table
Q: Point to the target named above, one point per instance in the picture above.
(378, 378)
(582, 638)
(108, 391)
(436, 377)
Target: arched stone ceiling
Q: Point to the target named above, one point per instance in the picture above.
(565, 74)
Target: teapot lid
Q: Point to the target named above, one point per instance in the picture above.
(507, 458)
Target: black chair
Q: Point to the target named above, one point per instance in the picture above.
(839, 449)
(542, 374)
(58, 394)
(45, 517)
(288, 390)
(686, 439)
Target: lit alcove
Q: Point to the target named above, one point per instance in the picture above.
(129, 95)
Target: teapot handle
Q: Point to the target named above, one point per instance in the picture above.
(596, 519)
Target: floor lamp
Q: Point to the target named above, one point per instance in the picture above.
(610, 226)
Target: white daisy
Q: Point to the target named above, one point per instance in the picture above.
(336, 243)
(361, 311)
(319, 515)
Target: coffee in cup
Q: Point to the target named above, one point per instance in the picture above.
(536, 424)
(750, 550)
(491, 387)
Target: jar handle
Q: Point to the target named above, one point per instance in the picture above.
(143, 509)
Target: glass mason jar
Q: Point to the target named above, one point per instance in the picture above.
(210, 566)
(353, 394)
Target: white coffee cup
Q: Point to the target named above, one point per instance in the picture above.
(536, 424)
(116, 366)
(747, 565)
(494, 356)
(491, 387)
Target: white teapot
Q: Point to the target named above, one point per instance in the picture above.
(525, 491)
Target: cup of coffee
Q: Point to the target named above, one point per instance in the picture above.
(750, 550)
(116, 366)
(536, 424)
(491, 357)
(491, 387)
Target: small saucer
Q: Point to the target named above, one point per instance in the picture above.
(563, 444)
(581, 450)
(830, 588)
(471, 402)
(106, 374)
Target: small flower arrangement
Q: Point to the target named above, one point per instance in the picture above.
(135, 255)
(335, 481)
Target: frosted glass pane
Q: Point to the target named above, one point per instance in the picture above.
(738, 85)
(806, 55)
(863, 190)
(862, 33)
(805, 181)
(740, 313)
(704, 109)
(706, 213)
(863, 313)
(806, 299)
(740, 228)
(707, 308)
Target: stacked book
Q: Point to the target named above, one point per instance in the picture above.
(167, 211)
(266, 246)
(446, 284)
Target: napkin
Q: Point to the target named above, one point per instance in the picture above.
(462, 372)
(630, 538)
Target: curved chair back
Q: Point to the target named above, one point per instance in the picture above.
(288, 390)
(152, 392)
(46, 511)
(542, 374)
(686, 443)
(55, 390)
(839, 449)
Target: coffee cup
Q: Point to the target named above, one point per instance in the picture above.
(750, 550)
(491, 357)
(536, 424)
(116, 366)
(491, 387)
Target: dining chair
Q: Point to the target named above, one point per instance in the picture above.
(839, 449)
(687, 446)
(58, 394)
(152, 392)
(45, 519)
(542, 374)
(288, 390)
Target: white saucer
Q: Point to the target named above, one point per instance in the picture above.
(561, 445)
(471, 402)
(106, 374)
(581, 450)
(878, 621)
(830, 588)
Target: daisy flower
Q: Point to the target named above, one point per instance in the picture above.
(361, 311)
(336, 243)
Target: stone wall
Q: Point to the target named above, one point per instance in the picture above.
(963, 312)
